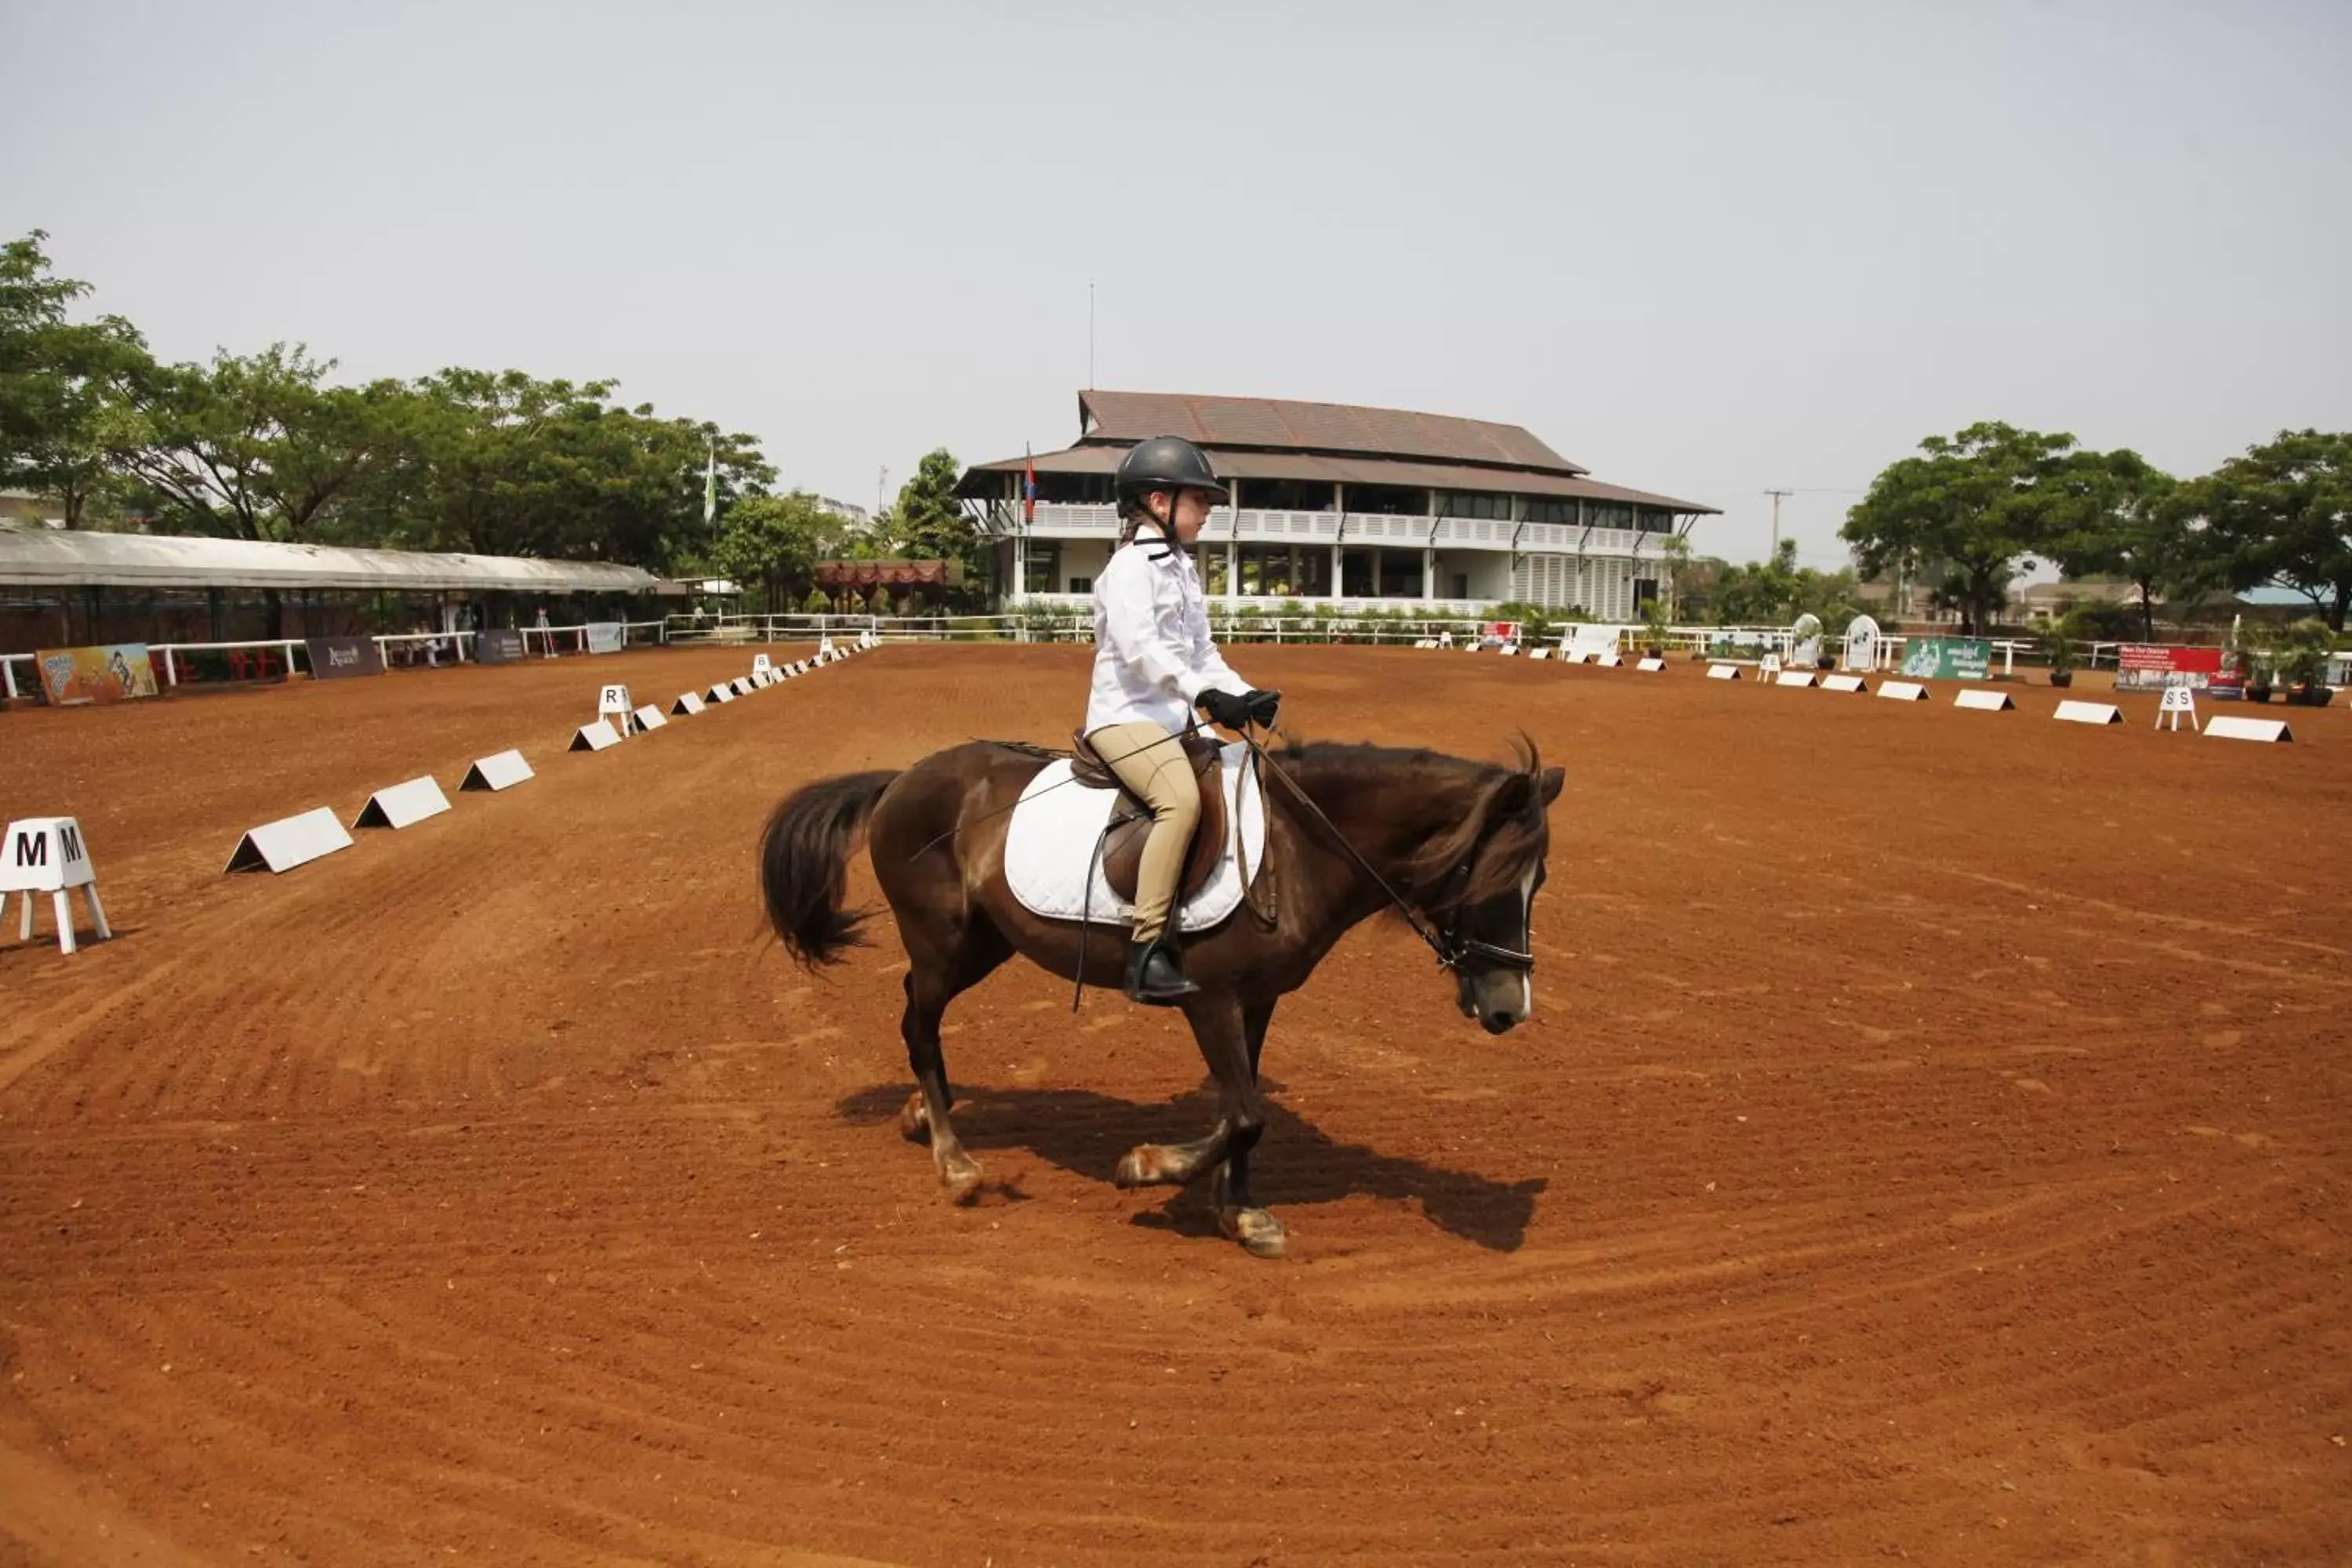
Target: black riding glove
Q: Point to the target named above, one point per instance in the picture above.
(1263, 706)
(1224, 708)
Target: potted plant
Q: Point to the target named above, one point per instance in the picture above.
(2059, 646)
(2301, 661)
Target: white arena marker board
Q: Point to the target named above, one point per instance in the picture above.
(1575, 655)
(48, 855)
(1723, 672)
(1507, 649)
(2178, 701)
(763, 665)
(1537, 653)
(2227, 728)
(1793, 677)
(594, 737)
(1844, 683)
(613, 703)
(686, 705)
(741, 685)
(1608, 662)
(1903, 690)
(650, 717)
(291, 841)
(403, 805)
(503, 770)
(1981, 701)
(2072, 712)
(723, 694)
(1652, 667)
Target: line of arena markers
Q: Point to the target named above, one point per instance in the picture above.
(49, 856)
(2180, 700)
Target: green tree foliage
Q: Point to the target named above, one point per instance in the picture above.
(1970, 509)
(2132, 527)
(2281, 514)
(773, 542)
(63, 383)
(1775, 593)
(927, 523)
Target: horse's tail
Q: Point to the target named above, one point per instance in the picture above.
(804, 865)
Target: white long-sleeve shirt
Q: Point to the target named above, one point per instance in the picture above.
(1153, 656)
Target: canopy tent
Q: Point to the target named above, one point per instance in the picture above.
(835, 574)
(61, 558)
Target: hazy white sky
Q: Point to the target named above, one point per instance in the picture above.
(1704, 248)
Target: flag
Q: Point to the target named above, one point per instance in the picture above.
(710, 486)
(1028, 488)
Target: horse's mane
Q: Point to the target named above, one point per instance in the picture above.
(1502, 803)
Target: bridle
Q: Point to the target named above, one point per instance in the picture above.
(1444, 939)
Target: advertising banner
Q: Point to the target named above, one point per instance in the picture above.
(604, 637)
(2143, 666)
(332, 658)
(115, 673)
(1948, 659)
(499, 648)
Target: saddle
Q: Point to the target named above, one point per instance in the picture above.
(1123, 845)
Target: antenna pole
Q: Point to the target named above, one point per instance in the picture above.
(1776, 496)
(1090, 334)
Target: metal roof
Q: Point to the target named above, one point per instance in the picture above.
(1247, 465)
(1337, 427)
(78, 558)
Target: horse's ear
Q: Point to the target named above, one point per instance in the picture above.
(1553, 778)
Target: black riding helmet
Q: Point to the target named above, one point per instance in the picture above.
(1168, 463)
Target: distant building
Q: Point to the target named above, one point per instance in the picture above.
(1362, 508)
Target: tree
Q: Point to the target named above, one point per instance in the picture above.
(254, 446)
(771, 541)
(1975, 506)
(2281, 514)
(63, 385)
(927, 522)
(2133, 528)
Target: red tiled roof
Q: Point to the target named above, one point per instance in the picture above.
(1335, 427)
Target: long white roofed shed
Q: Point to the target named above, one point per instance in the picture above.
(61, 558)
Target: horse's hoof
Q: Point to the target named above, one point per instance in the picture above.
(1260, 1234)
(962, 1181)
(1140, 1167)
(915, 1120)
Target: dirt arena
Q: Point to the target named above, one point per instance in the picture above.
(1931, 1143)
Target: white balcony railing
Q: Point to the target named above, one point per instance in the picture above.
(1252, 525)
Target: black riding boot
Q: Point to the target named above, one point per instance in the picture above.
(1155, 974)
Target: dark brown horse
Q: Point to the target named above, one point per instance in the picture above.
(1456, 847)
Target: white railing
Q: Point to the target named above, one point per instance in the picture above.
(555, 641)
(1062, 520)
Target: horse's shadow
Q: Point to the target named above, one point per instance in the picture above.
(1086, 1133)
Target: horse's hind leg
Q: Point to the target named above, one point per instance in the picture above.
(935, 975)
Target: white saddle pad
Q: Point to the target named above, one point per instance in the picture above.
(1055, 828)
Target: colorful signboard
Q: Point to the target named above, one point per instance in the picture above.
(1948, 659)
(114, 673)
(2144, 666)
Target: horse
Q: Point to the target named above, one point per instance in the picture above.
(1453, 846)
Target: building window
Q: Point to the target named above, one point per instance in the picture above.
(1553, 510)
(1474, 503)
(1283, 571)
(1646, 593)
(1082, 585)
(1214, 578)
(1386, 501)
(1610, 514)
(1044, 573)
(1292, 495)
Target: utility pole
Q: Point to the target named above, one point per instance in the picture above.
(882, 490)
(1776, 496)
(1090, 334)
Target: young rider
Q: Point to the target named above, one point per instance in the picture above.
(1154, 664)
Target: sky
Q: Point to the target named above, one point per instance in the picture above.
(1706, 249)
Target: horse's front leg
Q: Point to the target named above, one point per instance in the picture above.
(1238, 1215)
(1220, 1029)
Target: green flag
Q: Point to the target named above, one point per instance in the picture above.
(710, 486)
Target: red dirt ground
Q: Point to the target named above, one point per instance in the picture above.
(1930, 1142)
